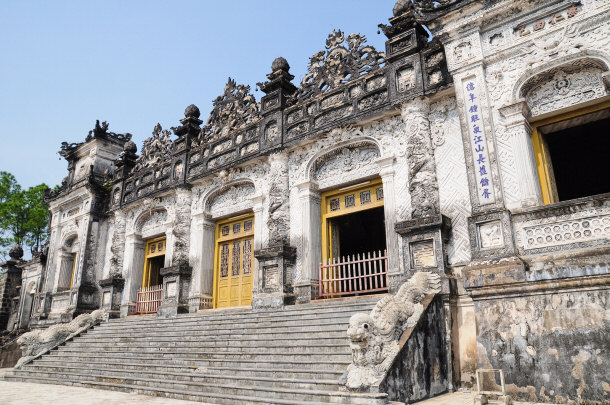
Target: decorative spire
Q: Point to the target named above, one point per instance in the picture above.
(156, 149)
(344, 59)
(235, 109)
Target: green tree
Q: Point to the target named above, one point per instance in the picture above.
(23, 215)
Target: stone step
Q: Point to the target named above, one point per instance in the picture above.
(269, 372)
(290, 356)
(161, 358)
(295, 311)
(188, 375)
(318, 319)
(213, 355)
(242, 341)
(170, 394)
(330, 319)
(261, 335)
(195, 339)
(252, 328)
(227, 388)
(360, 399)
(200, 347)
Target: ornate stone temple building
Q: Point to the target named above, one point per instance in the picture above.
(477, 153)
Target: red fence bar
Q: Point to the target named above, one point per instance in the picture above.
(357, 274)
(149, 299)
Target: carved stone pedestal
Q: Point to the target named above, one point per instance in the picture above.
(304, 293)
(176, 281)
(112, 290)
(40, 308)
(87, 298)
(10, 282)
(423, 246)
(274, 288)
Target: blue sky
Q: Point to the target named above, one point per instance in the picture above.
(135, 63)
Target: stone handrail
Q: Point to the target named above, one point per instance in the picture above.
(36, 343)
(377, 338)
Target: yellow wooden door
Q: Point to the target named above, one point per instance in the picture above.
(234, 260)
(155, 248)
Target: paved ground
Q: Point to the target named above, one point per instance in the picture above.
(17, 393)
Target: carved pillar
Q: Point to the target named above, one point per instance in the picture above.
(201, 258)
(259, 228)
(386, 172)
(112, 289)
(177, 271)
(180, 228)
(10, 283)
(306, 283)
(133, 266)
(519, 131)
(273, 277)
(117, 247)
(423, 186)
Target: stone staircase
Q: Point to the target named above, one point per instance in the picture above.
(240, 356)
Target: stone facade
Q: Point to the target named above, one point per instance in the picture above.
(446, 125)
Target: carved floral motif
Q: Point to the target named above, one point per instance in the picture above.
(339, 64)
(156, 149)
(230, 198)
(565, 89)
(233, 110)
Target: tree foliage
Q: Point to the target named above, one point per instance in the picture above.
(23, 215)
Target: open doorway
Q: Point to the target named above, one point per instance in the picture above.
(149, 296)
(353, 241)
(359, 233)
(572, 154)
(153, 262)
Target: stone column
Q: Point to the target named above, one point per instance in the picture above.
(273, 278)
(259, 237)
(386, 172)
(518, 129)
(201, 258)
(117, 246)
(9, 284)
(423, 185)
(425, 236)
(306, 284)
(133, 266)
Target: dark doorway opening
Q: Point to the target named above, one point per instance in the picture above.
(361, 232)
(580, 157)
(155, 265)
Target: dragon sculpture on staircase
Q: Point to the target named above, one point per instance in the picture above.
(374, 338)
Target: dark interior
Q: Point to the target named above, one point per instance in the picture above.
(361, 232)
(581, 159)
(156, 263)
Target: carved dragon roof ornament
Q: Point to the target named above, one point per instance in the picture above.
(156, 149)
(235, 109)
(338, 64)
(408, 13)
(98, 132)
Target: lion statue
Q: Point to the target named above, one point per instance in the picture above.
(374, 337)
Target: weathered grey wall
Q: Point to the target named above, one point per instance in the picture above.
(420, 370)
(552, 347)
(9, 354)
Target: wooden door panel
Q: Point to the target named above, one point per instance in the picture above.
(234, 263)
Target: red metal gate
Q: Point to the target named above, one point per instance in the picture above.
(354, 275)
(149, 299)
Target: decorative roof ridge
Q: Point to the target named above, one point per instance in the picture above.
(344, 60)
